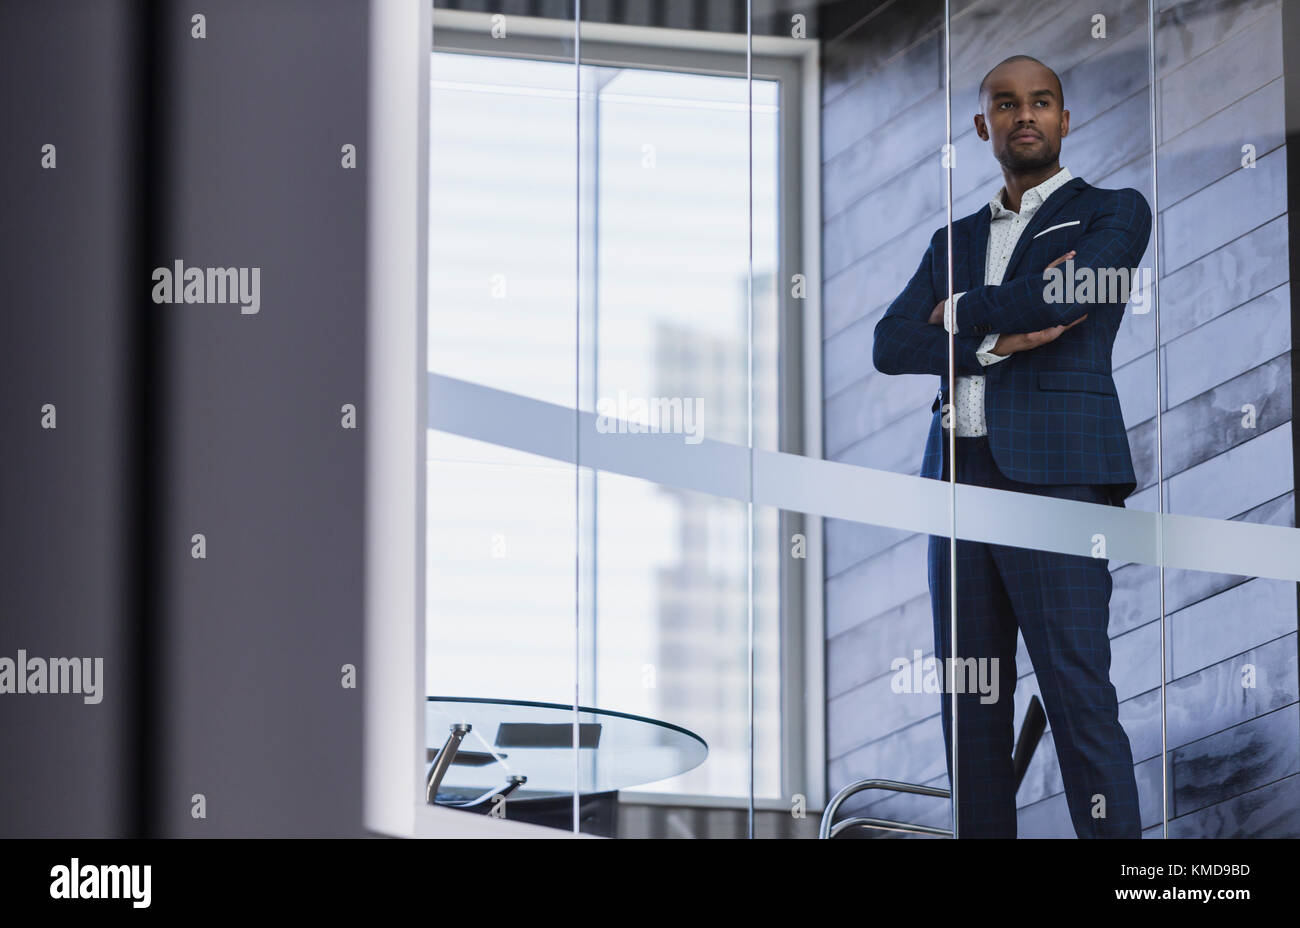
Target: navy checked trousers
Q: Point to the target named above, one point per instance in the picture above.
(1061, 603)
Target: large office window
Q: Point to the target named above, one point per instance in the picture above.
(661, 595)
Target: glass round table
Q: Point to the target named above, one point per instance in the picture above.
(481, 748)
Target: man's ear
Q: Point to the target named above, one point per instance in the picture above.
(1065, 123)
(980, 128)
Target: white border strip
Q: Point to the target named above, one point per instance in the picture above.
(394, 548)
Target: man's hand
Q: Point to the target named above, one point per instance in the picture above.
(1010, 344)
(936, 315)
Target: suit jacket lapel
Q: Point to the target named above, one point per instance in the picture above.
(1051, 206)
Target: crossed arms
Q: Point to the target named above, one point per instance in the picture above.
(1116, 239)
(907, 341)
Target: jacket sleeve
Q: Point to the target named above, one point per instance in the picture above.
(906, 342)
(1116, 238)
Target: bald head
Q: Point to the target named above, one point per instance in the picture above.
(984, 84)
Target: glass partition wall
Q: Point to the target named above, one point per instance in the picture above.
(1057, 106)
(664, 339)
(693, 401)
(1227, 451)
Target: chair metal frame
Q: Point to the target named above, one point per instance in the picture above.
(1031, 732)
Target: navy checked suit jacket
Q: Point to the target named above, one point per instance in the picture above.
(1052, 412)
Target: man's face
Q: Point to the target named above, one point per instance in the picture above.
(1023, 116)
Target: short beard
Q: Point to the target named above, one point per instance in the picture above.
(1021, 163)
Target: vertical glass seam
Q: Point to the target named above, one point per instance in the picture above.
(948, 162)
(749, 384)
(577, 392)
(1160, 465)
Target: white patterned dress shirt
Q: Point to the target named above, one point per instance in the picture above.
(1004, 231)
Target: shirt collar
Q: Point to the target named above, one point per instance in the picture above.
(1034, 196)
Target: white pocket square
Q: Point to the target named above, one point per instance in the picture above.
(1059, 225)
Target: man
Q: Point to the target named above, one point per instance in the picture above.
(1036, 411)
